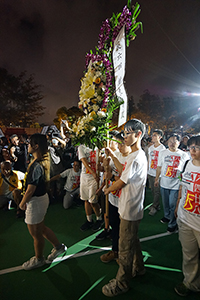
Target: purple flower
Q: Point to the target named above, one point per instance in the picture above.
(104, 34)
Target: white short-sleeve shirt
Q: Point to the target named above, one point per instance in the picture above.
(189, 205)
(73, 179)
(114, 196)
(153, 154)
(90, 155)
(171, 164)
(134, 176)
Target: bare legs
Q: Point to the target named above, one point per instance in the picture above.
(89, 207)
(39, 233)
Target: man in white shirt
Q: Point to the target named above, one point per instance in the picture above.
(72, 184)
(153, 154)
(132, 184)
(170, 164)
(188, 206)
(88, 185)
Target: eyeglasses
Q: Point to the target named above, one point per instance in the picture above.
(125, 134)
(121, 144)
(196, 148)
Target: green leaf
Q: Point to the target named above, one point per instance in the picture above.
(129, 4)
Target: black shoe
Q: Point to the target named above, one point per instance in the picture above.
(172, 229)
(97, 225)
(103, 235)
(87, 225)
(164, 220)
(182, 290)
(20, 214)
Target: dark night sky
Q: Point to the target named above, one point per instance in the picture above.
(50, 38)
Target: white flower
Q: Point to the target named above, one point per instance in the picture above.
(101, 114)
(93, 129)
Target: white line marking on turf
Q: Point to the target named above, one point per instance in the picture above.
(10, 270)
(156, 236)
(14, 269)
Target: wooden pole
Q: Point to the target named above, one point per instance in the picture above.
(107, 166)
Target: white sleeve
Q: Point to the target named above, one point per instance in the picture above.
(160, 158)
(65, 173)
(81, 152)
(126, 171)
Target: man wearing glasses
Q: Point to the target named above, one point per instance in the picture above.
(188, 207)
(170, 164)
(130, 207)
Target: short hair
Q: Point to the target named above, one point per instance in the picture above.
(159, 132)
(113, 133)
(177, 136)
(78, 161)
(13, 135)
(5, 164)
(135, 125)
(195, 139)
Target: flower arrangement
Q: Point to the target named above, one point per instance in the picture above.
(97, 93)
(96, 85)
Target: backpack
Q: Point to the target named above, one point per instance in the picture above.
(180, 176)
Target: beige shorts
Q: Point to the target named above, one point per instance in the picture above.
(36, 209)
(88, 187)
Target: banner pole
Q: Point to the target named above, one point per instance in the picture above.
(106, 169)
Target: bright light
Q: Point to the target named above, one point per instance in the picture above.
(191, 94)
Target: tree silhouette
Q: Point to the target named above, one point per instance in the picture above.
(20, 99)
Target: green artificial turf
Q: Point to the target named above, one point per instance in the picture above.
(82, 277)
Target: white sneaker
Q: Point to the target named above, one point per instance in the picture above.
(33, 263)
(55, 253)
(153, 211)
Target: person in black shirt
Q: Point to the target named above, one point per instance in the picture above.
(35, 202)
(18, 154)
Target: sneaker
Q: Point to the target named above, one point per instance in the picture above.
(153, 211)
(33, 263)
(103, 235)
(114, 288)
(138, 273)
(97, 225)
(164, 220)
(172, 229)
(55, 253)
(181, 289)
(87, 225)
(109, 256)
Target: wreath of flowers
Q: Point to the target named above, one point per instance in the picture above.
(97, 93)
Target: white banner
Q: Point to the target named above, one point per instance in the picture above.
(119, 61)
(1, 133)
(44, 129)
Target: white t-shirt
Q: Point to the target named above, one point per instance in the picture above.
(73, 179)
(4, 189)
(171, 164)
(153, 153)
(114, 196)
(91, 156)
(189, 206)
(134, 175)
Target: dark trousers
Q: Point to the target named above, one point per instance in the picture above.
(114, 222)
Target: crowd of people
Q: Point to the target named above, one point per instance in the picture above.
(111, 183)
